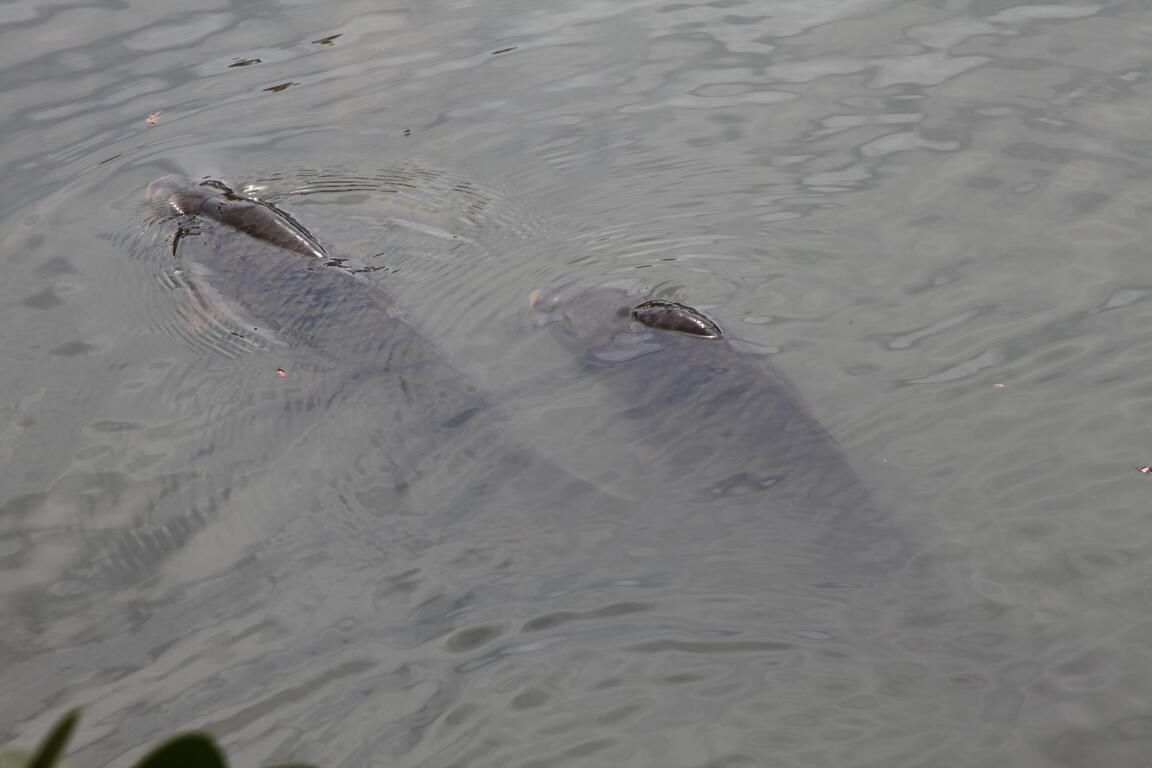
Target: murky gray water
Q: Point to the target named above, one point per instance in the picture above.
(928, 215)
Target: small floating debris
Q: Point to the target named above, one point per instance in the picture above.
(245, 62)
(327, 40)
(505, 50)
(153, 118)
(282, 86)
(281, 372)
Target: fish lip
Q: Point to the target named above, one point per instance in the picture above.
(551, 292)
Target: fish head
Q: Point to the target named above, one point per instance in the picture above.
(580, 315)
(175, 195)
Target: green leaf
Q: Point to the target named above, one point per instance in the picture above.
(188, 750)
(51, 750)
(13, 757)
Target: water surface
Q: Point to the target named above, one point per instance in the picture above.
(930, 216)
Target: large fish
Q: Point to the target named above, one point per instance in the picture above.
(269, 268)
(719, 427)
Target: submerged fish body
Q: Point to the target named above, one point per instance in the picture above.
(248, 254)
(720, 427)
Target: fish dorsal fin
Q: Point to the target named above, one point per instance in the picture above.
(215, 200)
(676, 318)
(263, 221)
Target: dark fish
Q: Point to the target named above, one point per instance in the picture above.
(181, 196)
(720, 427)
(309, 302)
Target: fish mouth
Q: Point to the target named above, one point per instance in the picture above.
(542, 311)
(547, 303)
